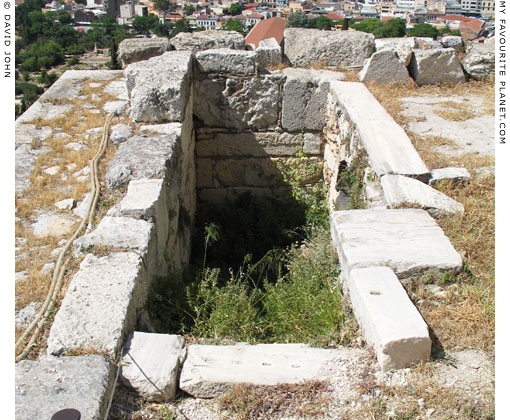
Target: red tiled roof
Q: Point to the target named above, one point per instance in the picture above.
(335, 16)
(265, 29)
(457, 17)
(386, 18)
(249, 5)
(255, 16)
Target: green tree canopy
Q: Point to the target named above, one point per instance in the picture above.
(235, 9)
(182, 25)
(188, 9)
(299, 20)
(145, 24)
(162, 4)
(64, 17)
(323, 23)
(423, 29)
(233, 25)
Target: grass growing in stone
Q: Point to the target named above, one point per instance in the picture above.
(289, 294)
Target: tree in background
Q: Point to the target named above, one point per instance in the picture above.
(162, 5)
(64, 17)
(235, 9)
(345, 24)
(233, 25)
(188, 9)
(182, 25)
(144, 25)
(323, 23)
(393, 28)
(424, 30)
(299, 20)
(114, 61)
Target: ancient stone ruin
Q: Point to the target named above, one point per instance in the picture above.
(214, 123)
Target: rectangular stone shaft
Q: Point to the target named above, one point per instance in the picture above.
(389, 320)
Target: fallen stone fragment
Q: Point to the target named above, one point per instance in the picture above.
(82, 207)
(120, 133)
(408, 241)
(383, 67)
(151, 364)
(115, 107)
(66, 204)
(436, 65)
(268, 53)
(53, 170)
(53, 225)
(479, 61)
(46, 386)
(209, 371)
(402, 46)
(77, 146)
(24, 316)
(456, 175)
(47, 268)
(401, 191)
(451, 41)
(389, 320)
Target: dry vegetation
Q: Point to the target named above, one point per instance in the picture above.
(45, 190)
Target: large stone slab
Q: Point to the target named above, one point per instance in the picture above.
(238, 103)
(159, 88)
(146, 199)
(151, 364)
(401, 191)
(46, 386)
(455, 175)
(209, 371)
(408, 241)
(389, 320)
(118, 232)
(435, 65)
(384, 67)
(305, 47)
(227, 61)
(138, 49)
(402, 46)
(205, 40)
(389, 149)
(100, 306)
(305, 94)
(146, 156)
(479, 61)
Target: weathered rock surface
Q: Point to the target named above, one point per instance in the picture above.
(435, 65)
(120, 133)
(407, 240)
(118, 232)
(305, 95)
(115, 107)
(99, 308)
(427, 43)
(305, 47)
(159, 88)
(258, 144)
(226, 61)
(402, 191)
(389, 320)
(53, 225)
(402, 46)
(143, 157)
(30, 134)
(205, 40)
(384, 67)
(24, 316)
(46, 386)
(479, 61)
(268, 53)
(151, 364)
(138, 49)
(237, 103)
(209, 371)
(82, 207)
(66, 204)
(389, 149)
(451, 41)
(455, 175)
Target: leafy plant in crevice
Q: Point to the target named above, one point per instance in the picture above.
(351, 180)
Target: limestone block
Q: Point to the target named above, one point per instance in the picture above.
(46, 386)
(148, 156)
(237, 103)
(118, 232)
(312, 144)
(479, 61)
(268, 53)
(99, 308)
(83, 206)
(205, 173)
(435, 65)
(305, 47)
(66, 204)
(408, 241)
(305, 95)
(402, 46)
(401, 191)
(151, 364)
(159, 88)
(255, 144)
(120, 133)
(138, 49)
(451, 41)
(205, 40)
(389, 149)
(427, 43)
(115, 107)
(53, 225)
(455, 175)
(209, 371)
(250, 172)
(389, 320)
(384, 67)
(146, 199)
(226, 61)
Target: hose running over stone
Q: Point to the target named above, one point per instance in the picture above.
(60, 267)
